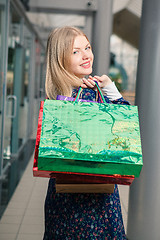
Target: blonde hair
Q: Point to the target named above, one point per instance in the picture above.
(59, 81)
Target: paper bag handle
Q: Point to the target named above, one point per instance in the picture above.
(99, 93)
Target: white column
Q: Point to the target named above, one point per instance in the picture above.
(144, 197)
(102, 30)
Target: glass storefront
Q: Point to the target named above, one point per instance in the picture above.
(20, 61)
(15, 71)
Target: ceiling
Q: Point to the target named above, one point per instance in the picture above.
(126, 23)
(46, 15)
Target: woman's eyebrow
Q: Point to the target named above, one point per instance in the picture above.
(88, 44)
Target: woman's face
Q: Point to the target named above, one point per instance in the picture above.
(81, 57)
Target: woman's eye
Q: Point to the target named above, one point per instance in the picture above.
(75, 52)
(89, 47)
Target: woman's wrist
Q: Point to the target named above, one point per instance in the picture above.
(111, 91)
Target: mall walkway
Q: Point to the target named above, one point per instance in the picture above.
(24, 216)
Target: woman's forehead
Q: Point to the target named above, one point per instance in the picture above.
(80, 41)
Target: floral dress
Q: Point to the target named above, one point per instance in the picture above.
(77, 216)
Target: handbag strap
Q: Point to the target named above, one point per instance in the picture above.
(99, 93)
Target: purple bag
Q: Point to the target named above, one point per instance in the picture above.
(64, 98)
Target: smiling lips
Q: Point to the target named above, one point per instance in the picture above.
(86, 64)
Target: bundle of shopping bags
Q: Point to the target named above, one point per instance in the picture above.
(87, 146)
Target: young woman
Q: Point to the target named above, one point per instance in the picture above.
(78, 216)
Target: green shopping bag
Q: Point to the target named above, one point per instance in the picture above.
(90, 137)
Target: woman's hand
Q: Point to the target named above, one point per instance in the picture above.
(103, 81)
(88, 83)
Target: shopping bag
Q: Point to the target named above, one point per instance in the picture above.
(84, 188)
(73, 177)
(88, 137)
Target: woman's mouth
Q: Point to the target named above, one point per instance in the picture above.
(86, 64)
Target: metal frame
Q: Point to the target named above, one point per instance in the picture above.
(63, 6)
(20, 10)
(6, 5)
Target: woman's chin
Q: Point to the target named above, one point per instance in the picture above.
(86, 73)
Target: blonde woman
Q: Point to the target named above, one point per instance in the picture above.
(78, 216)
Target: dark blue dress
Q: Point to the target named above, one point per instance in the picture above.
(83, 216)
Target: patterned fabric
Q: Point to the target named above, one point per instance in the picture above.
(81, 216)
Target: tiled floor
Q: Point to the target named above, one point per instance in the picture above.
(24, 216)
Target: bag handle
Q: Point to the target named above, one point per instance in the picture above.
(99, 93)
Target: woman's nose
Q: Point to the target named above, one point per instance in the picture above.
(85, 55)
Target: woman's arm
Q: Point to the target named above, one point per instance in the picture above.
(108, 87)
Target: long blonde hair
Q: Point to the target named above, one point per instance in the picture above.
(59, 48)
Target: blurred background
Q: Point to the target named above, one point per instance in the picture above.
(118, 35)
(24, 29)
